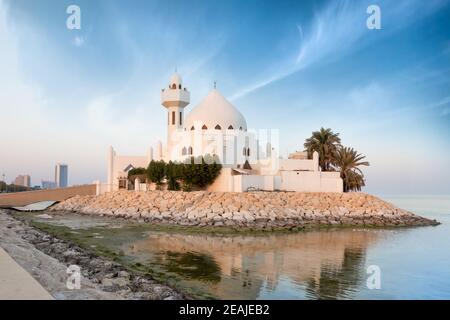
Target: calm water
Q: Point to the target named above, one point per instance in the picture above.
(414, 262)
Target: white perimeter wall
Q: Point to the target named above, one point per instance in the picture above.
(300, 181)
(306, 181)
(223, 183)
(242, 183)
(294, 164)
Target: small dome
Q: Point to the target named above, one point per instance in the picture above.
(175, 79)
(214, 111)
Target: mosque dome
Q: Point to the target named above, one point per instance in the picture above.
(215, 112)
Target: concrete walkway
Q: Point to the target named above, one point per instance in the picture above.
(16, 283)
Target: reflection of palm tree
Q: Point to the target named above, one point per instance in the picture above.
(339, 283)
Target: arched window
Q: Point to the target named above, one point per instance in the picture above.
(191, 151)
(230, 127)
(192, 128)
(248, 152)
(204, 127)
(174, 86)
(245, 151)
(240, 128)
(218, 127)
(183, 151)
(179, 86)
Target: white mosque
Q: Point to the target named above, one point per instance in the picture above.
(216, 127)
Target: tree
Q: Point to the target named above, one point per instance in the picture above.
(326, 143)
(194, 172)
(200, 172)
(173, 174)
(354, 181)
(156, 172)
(136, 171)
(349, 160)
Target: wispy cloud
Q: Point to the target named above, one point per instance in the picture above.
(340, 27)
(30, 130)
(334, 29)
(443, 103)
(22, 107)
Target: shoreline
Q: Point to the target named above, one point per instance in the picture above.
(157, 226)
(49, 236)
(101, 277)
(251, 211)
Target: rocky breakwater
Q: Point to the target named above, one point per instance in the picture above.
(255, 210)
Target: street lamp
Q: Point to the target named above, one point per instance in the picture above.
(4, 181)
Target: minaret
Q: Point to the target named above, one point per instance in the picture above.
(175, 97)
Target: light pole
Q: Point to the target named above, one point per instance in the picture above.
(3, 175)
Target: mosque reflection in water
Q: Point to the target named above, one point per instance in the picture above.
(308, 265)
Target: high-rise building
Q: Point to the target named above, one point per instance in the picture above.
(23, 180)
(48, 184)
(61, 175)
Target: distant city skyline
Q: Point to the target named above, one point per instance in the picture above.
(289, 65)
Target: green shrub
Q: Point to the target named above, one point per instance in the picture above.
(200, 171)
(192, 173)
(156, 172)
(140, 173)
(137, 172)
(172, 172)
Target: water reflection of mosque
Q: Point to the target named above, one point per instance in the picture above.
(319, 264)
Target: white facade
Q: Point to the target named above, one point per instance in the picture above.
(118, 167)
(216, 127)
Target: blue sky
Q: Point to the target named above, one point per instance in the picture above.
(65, 95)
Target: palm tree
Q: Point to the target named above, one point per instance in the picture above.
(354, 181)
(348, 160)
(326, 143)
